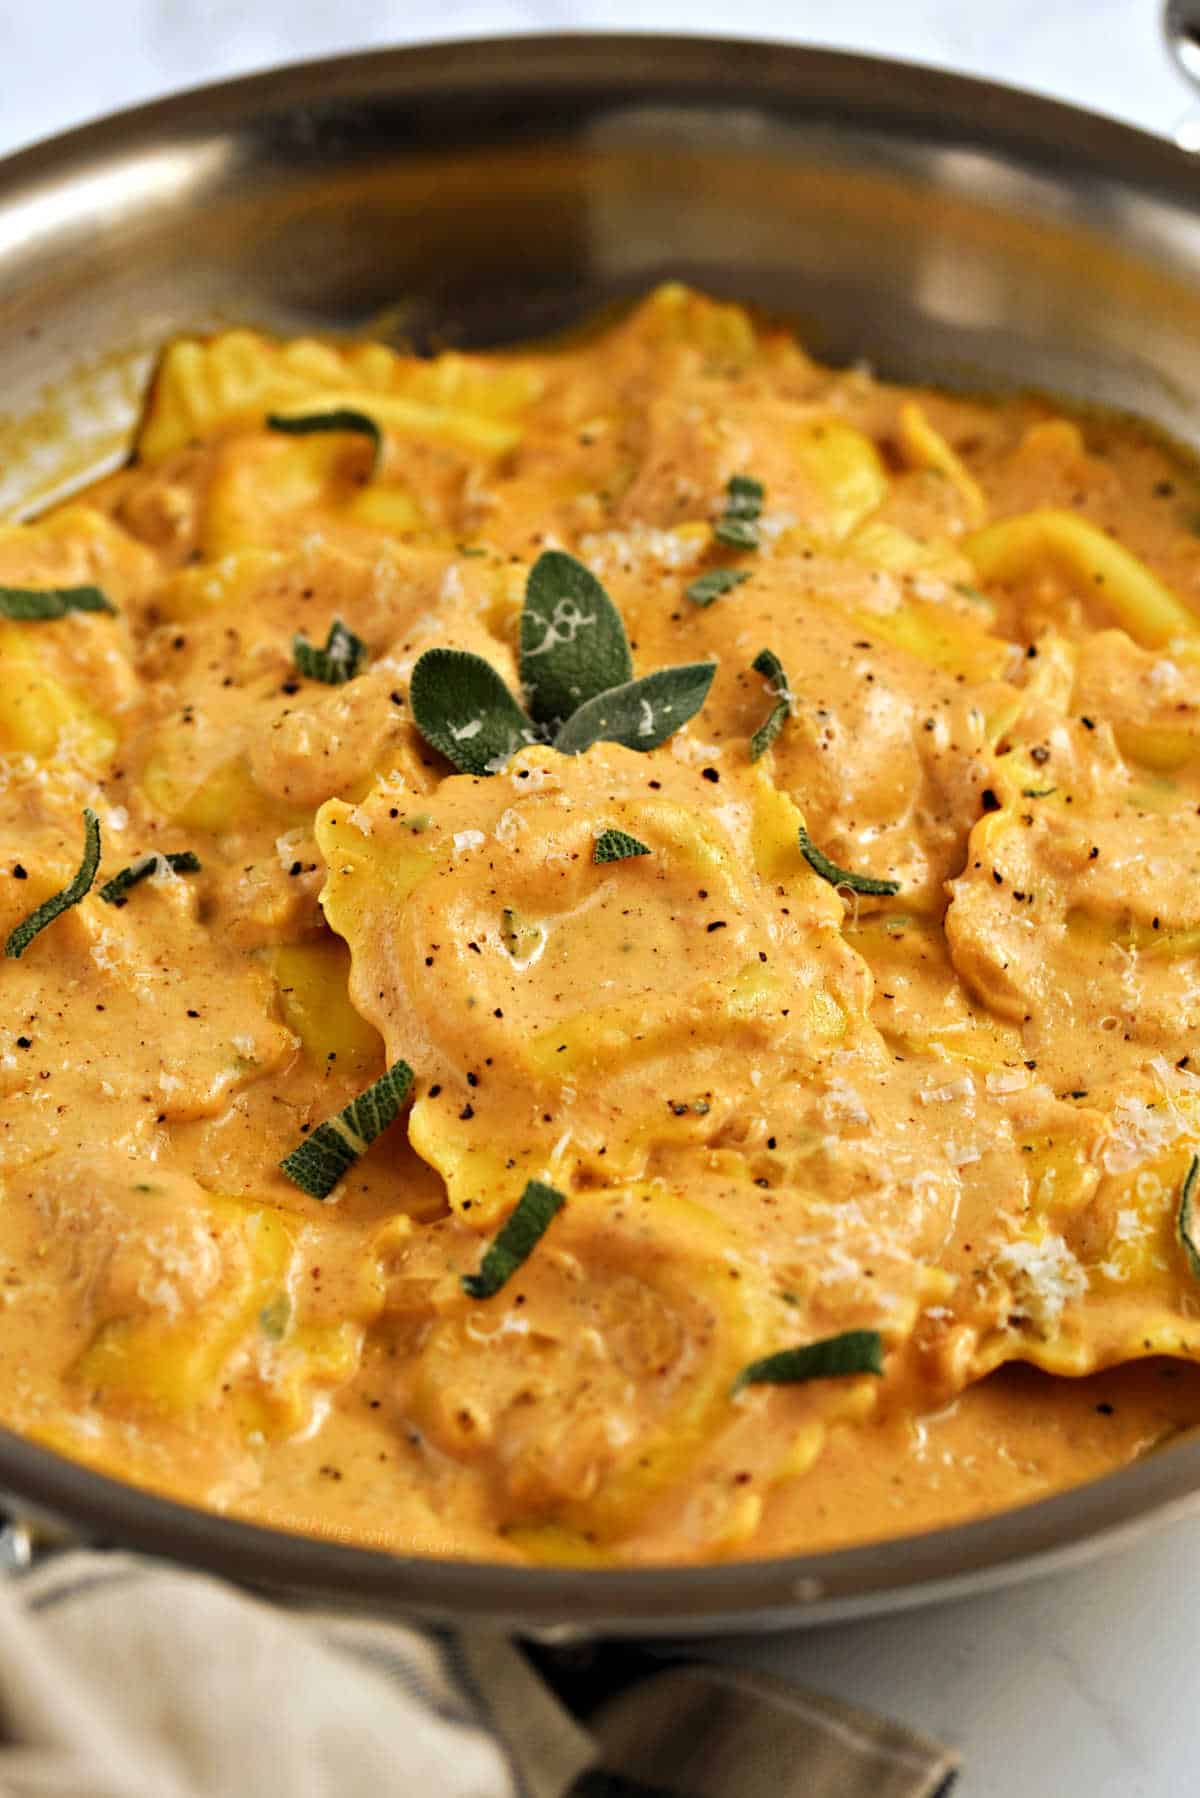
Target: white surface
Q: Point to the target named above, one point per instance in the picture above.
(1082, 1686)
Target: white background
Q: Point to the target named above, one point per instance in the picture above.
(63, 61)
(1086, 1685)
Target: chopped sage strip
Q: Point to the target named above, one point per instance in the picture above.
(767, 663)
(1037, 792)
(643, 713)
(744, 497)
(340, 418)
(343, 656)
(510, 932)
(516, 1239)
(1187, 1234)
(323, 1158)
(841, 877)
(743, 505)
(736, 533)
(464, 710)
(854, 1351)
(76, 889)
(520, 938)
(573, 643)
(707, 587)
(275, 1317)
(115, 891)
(617, 846)
(29, 604)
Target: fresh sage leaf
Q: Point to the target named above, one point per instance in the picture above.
(736, 533)
(321, 1160)
(343, 656)
(573, 643)
(707, 587)
(75, 890)
(767, 663)
(641, 714)
(116, 891)
(464, 710)
(617, 846)
(853, 1352)
(737, 525)
(516, 1239)
(744, 497)
(1186, 1220)
(339, 418)
(27, 605)
(842, 877)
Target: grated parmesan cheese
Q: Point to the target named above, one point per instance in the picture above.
(1045, 1277)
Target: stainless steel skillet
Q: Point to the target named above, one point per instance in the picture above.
(477, 192)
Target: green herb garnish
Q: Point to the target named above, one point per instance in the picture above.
(642, 714)
(573, 644)
(343, 656)
(115, 891)
(340, 418)
(464, 710)
(737, 525)
(516, 1240)
(1187, 1234)
(20, 938)
(617, 846)
(1037, 792)
(767, 663)
(853, 1352)
(520, 938)
(842, 877)
(275, 1317)
(33, 604)
(707, 587)
(323, 1158)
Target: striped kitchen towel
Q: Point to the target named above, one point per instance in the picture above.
(128, 1678)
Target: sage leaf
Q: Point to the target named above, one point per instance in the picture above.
(464, 710)
(75, 890)
(736, 533)
(320, 1161)
(343, 656)
(737, 525)
(116, 891)
(516, 1239)
(1186, 1220)
(707, 587)
(338, 418)
(617, 846)
(641, 714)
(27, 605)
(275, 1317)
(573, 643)
(842, 877)
(853, 1352)
(767, 663)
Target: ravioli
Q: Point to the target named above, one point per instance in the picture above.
(752, 806)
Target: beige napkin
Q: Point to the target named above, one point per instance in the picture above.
(127, 1678)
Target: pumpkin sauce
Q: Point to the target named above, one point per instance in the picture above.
(868, 1029)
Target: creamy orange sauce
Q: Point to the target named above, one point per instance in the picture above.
(960, 1116)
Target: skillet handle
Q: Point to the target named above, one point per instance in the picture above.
(1181, 28)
